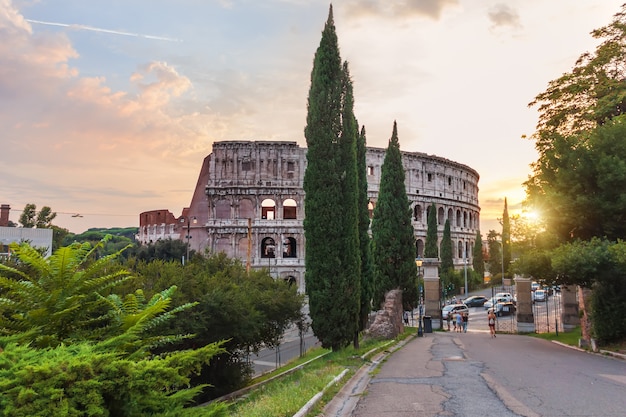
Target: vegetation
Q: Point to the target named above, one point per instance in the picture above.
(330, 183)
(506, 238)
(431, 247)
(289, 394)
(577, 183)
(248, 311)
(70, 346)
(447, 263)
(367, 275)
(478, 261)
(392, 231)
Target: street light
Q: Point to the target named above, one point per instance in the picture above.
(188, 236)
(420, 330)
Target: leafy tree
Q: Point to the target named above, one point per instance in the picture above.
(495, 254)
(32, 218)
(581, 125)
(367, 275)
(392, 231)
(506, 238)
(163, 249)
(447, 261)
(331, 222)
(250, 311)
(478, 262)
(431, 246)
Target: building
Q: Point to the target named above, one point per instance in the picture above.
(249, 203)
(37, 238)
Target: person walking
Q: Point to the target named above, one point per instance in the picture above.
(491, 319)
(459, 322)
(465, 320)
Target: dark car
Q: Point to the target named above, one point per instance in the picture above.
(506, 308)
(475, 301)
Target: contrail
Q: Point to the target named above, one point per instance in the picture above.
(93, 29)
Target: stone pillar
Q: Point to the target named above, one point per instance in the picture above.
(432, 291)
(569, 308)
(524, 314)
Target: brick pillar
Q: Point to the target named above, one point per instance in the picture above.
(524, 314)
(4, 214)
(569, 308)
(432, 291)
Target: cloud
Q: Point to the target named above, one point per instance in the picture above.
(502, 15)
(398, 9)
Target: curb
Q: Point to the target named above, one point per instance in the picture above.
(600, 352)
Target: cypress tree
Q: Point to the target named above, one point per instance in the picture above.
(392, 231)
(447, 263)
(478, 263)
(506, 238)
(330, 185)
(367, 276)
(431, 246)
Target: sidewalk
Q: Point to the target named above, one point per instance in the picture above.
(426, 376)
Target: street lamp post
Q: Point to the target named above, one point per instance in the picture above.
(188, 236)
(420, 330)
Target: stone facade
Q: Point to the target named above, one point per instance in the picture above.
(249, 203)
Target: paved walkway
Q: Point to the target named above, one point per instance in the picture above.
(427, 376)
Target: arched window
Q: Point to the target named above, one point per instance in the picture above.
(419, 248)
(268, 209)
(417, 213)
(440, 219)
(458, 218)
(464, 219)
(268, 248)
(290, 209)
(451, 216)
(289, 248)
(460, 249)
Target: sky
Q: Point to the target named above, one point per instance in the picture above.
(108, 107)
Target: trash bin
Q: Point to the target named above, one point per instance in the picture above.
(428, 324)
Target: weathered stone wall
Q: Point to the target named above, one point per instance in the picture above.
(388, 322)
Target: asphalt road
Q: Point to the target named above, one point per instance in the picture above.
(475, 375)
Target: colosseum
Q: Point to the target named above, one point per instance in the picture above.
(249, 203)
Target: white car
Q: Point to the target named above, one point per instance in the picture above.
(453, 309)
(506, 295)
(494, 300)
(540, 295)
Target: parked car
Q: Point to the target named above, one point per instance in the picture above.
(539, 296)
(494, 300)
(475, 301)
(535, 286)
(506, 295)
(453, 309)
(506, 308)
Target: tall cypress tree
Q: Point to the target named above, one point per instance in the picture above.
(330, 185)
(367, 276)
(506, 238)
(447, 262)
(478, 262)
(431, 247)
(392, 230)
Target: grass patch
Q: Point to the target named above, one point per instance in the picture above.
(568, 338)
(286, 395)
